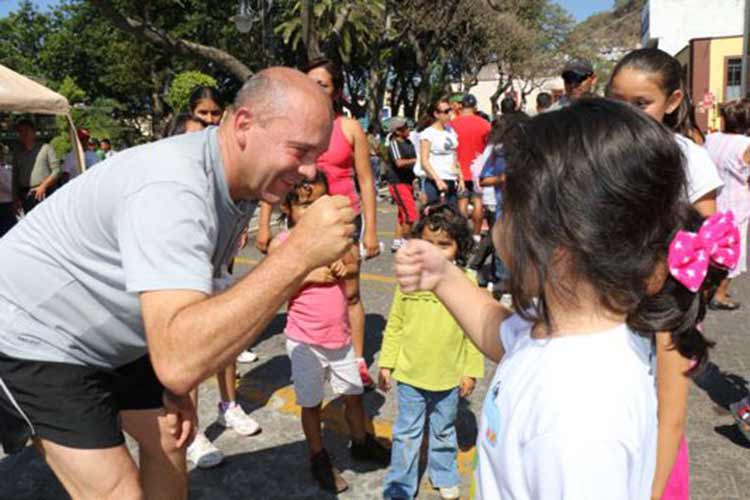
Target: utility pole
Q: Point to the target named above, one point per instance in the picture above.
(745, 55)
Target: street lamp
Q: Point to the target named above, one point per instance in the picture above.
(244, 19)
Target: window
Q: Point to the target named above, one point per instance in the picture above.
(734, 79)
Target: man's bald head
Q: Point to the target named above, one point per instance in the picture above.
(270, 92)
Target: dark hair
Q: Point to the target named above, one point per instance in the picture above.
(507, 105)
(543, 100)
(337, 78)
(292, 197)
(25, 122)
(106, 141)
(503, 123)
(736, 115)
(201, 93)
(428, 118)
(178, 124)
(443, 217)
(599, 186)
(678, 310)
(669, 73)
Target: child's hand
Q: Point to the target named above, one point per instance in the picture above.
(338, 269)
(384, 379)
(320, 276)
(420, 266)
(466, 387)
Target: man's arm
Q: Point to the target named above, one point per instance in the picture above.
(192, 336)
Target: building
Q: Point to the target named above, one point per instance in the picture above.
(713, 69)
(671, 24)
(486, 86)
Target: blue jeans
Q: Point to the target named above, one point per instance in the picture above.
(414, 405)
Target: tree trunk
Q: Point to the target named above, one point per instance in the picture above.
(309, 30)
(502, 86)
(158, 79)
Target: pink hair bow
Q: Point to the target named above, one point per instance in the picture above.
(717, 242)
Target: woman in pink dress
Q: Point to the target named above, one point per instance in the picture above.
(347, 158)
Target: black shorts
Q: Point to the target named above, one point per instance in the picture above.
(471, 191)
(71, 405)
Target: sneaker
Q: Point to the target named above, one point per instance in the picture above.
(370, 450)
(235, 418)
(450, 492)
(203, 453)
(741, 412)
(247, 357)
(367, 381)
(396, 245)
(328, 477)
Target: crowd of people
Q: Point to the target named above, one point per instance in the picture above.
(604, 227)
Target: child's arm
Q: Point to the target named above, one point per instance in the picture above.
(391, 341)
(346, 267)
(319, 276)
(672, 393)
(421, 266)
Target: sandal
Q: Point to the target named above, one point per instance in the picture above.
(741, 413)
(721, 305)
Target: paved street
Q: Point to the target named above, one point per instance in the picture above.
(274, 463)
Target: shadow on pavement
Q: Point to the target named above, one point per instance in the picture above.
(25, 476)
(723, 388)
(374, 328)
(277, 472)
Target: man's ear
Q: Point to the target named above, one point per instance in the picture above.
(242, 120)
(674, 101)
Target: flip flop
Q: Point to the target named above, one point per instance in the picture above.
(719, 305)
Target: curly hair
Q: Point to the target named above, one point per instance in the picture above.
(443, 217)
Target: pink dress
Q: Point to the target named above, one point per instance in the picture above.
(337, 163)
(678, 485)
(726, 151)
(318, 315)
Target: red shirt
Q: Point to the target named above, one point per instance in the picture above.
(472, 131)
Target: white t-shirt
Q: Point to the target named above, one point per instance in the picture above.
(703, 176)
(414, 138)
(569, 418)
(443, 144)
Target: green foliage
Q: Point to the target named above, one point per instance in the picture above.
(184, 84)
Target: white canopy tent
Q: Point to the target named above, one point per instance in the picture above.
(20, 94)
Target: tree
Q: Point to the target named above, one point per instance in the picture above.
(184, 84)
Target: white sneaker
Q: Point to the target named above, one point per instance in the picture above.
(203, 453)
(235, 418)
(247, 357)
(451, 492)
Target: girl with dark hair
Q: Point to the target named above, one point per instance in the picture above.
(593, 196)
(205, 105)
(319, 345)
(434, 362)
(730, 151)
(348, 155)
(437, 153)
(651, 80)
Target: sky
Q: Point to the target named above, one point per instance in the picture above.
(580, 9)
(7, 6)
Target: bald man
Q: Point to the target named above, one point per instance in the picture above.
(108, 324)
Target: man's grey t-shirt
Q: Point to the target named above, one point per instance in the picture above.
(155, 217)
